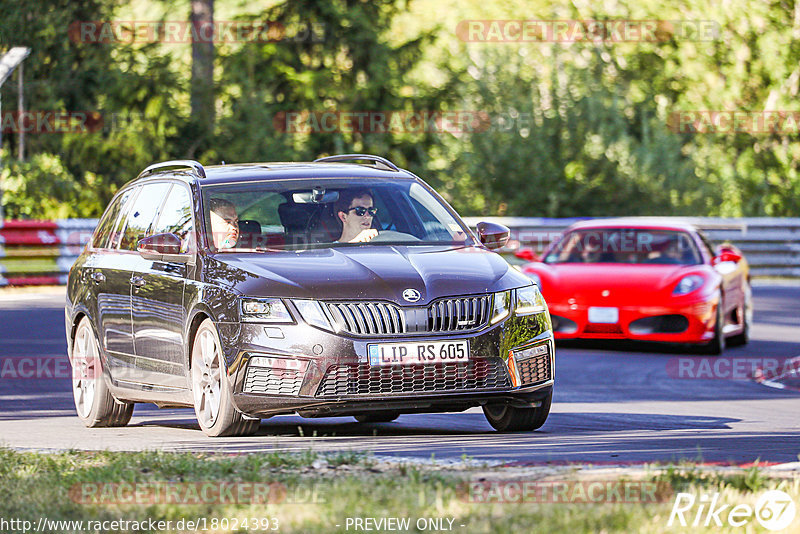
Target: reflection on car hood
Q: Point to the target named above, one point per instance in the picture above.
(366, 272)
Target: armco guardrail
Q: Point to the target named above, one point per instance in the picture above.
(771, 245)
(42, 252)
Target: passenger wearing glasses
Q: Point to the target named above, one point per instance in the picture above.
(355, 209)
(224, 223)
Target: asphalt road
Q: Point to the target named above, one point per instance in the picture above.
(618, 404)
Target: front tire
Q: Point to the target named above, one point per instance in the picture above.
(743, 338)
(213, 398)
(94, 403)
(717, 343)
(505, 418)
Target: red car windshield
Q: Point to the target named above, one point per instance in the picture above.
(625, 245)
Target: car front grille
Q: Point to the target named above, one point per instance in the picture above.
(362, 379)
(453, 314)
(594, 328)
(368, 318)
(271, 381)
(535, 369)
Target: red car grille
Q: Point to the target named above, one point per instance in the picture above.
(362, 379)
(592, 328)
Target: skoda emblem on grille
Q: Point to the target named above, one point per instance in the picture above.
(411, 295)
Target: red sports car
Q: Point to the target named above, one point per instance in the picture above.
(644, 280)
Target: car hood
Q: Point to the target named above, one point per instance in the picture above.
(618, 281)
(365, 272)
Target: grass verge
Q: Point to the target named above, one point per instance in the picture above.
(313, 492)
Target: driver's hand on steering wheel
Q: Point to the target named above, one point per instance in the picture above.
(365, 235)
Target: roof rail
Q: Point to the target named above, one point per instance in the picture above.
(192, 164)
(379, 161)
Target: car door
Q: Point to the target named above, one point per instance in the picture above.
(141, 218)
(108, 273)
(158, 312)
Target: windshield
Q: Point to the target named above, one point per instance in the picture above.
(624, 245)
(322, 213)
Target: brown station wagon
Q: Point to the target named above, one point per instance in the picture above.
(321, 289)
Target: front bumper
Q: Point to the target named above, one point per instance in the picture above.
(298, 368)
(694, 322)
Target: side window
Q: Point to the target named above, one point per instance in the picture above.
(118, 222)
(100, 237)
(176, 216)
(142, 214)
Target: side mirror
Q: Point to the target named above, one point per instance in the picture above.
(492, 235)
(527, 254)
(726, 256)
(726, 253)
(162, 247)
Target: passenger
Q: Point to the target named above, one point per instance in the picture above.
(355, 210)
(224, 223)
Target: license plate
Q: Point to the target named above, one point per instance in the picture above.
(383, 354)
(603, 315)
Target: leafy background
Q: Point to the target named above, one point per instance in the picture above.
(584, 127)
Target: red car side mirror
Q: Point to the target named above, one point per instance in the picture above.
(527, 254)
(726, 255)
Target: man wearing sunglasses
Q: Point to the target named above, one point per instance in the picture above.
(356, 210)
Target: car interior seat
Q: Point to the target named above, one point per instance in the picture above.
(249, 233)
(296, 220)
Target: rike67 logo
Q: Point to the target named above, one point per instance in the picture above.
(775, 510)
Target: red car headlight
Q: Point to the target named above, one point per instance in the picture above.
(688, 284)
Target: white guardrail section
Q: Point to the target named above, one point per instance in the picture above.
(771, 245)
(42, 252)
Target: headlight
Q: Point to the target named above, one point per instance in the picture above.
(502, 306)
(312, 313)
(265, 310)
(688, 284)
(529, 301)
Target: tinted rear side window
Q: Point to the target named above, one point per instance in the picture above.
(115, 218)
(100, 238)
(142, 214)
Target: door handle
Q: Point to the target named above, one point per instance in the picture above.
(138, 281)
(98, 277)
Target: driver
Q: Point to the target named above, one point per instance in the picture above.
(224, 223)
(356, 211)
